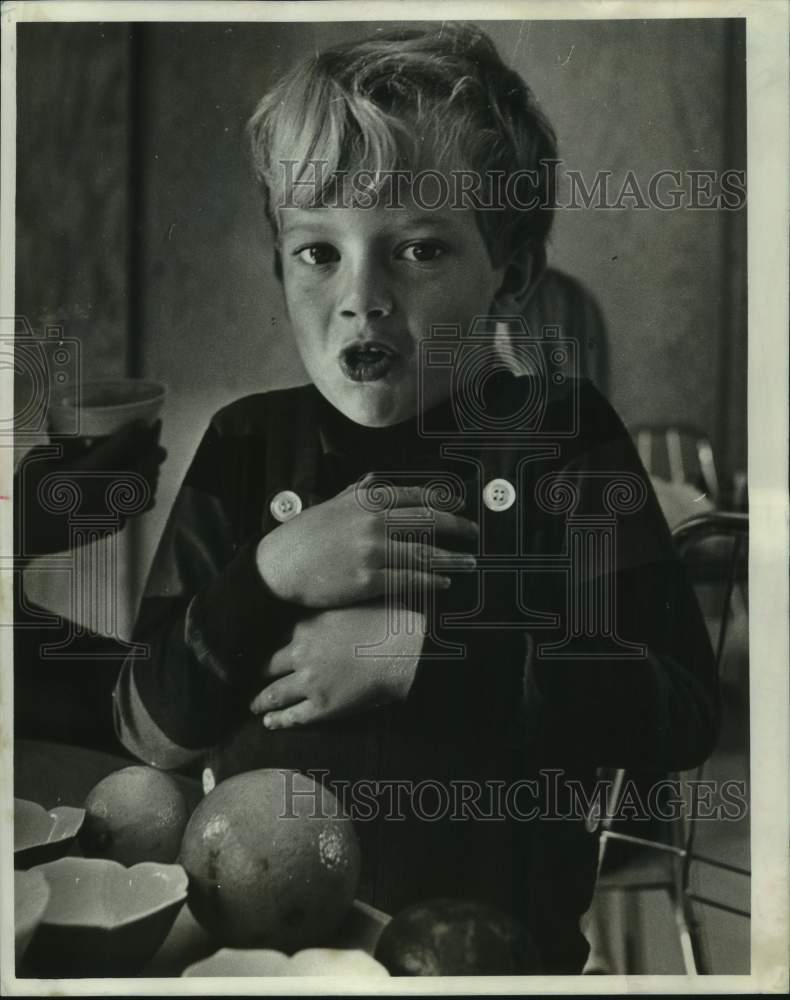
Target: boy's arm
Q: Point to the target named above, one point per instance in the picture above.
(206, 617)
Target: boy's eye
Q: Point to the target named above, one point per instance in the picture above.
(422, 252)
(317, 253)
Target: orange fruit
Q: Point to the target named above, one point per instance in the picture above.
(455, 937)
(272, 861)
(135, 814)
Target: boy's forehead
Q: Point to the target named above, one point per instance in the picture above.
(420, 191)
(377, 218)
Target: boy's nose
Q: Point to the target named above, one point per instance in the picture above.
(374, 312)
(365, 296)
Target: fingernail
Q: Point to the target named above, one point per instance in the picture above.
(267, 721)
(469, 561)
(445, 581)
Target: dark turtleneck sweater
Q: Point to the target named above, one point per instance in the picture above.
(531, 689)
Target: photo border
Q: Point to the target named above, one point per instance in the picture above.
(768, 164)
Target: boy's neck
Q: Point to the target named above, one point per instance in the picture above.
(343, 436)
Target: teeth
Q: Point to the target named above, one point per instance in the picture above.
(366, 362)
(357, 354)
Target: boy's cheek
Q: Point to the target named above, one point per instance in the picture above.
(297, 280)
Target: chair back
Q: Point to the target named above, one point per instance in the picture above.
(679, 454)
(561, 303)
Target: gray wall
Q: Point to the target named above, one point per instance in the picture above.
(73, 230)
(207, 314)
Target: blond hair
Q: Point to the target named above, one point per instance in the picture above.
(441, 96)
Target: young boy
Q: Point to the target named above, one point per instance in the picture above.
(498, 610)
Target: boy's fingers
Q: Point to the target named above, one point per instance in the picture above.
(441, 559)
(406, 582)
(258, 703)
(401, 496)
(452, 524)
(282, 693)
(359, 485)
(429, 557)
(443, 522)
(280, 665)
(409, 496)
(296, 715)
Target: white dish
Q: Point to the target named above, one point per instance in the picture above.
(350, 956)
(31, 895)
(104, 919)
(345, 963)
(41, 835)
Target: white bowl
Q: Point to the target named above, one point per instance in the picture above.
(99, 408)
(31, 895)
(350, 956)
(338, 962)
(41, 835)
(104, 919)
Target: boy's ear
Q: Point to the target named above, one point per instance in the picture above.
(523, 271)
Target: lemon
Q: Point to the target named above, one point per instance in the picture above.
(135, 814)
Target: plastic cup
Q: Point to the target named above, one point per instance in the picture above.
(100, 408)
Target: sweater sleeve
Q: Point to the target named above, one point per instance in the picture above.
(206, 624)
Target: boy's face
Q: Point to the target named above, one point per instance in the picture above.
(364, 286)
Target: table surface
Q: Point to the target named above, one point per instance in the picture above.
(54, 774)
(57, 774)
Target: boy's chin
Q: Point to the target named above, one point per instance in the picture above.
(372, 409)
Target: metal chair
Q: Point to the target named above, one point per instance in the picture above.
(678, 453)
(714, 547)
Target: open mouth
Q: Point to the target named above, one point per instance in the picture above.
(366, 361)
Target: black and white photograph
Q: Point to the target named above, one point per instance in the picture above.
(394, 511)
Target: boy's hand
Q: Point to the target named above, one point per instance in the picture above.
(337, 553)
(320, 674)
